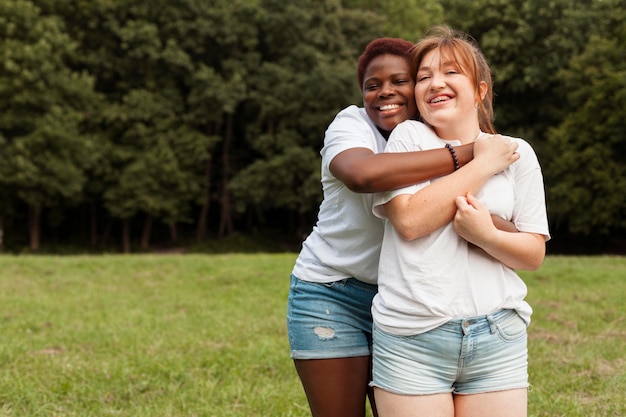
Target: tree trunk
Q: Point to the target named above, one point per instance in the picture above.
(146, 232)
(204, 212)
(106, 233)
(126, 235)
(93, 225)
(226, 225)
(34, 220)
(173, 232)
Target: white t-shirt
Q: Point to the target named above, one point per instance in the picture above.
(346, 240)
(428, 281)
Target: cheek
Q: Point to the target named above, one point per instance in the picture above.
(420, 91)
(421, 106)
(368, 98)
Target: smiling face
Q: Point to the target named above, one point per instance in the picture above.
(388, 91)
(446, 97)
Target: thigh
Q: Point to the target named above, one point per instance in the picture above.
(509, 403)
(395, 405)
(335, 387)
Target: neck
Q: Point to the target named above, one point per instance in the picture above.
(385, 133)
(463, 132)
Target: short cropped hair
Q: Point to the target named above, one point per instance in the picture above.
(382, 46)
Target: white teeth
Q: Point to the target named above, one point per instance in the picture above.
(389, 107)
(439, 99)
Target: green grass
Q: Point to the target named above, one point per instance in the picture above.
(199, 335)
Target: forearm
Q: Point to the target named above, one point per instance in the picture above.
(502, 224)
(516, 250)
(434, 206)
(388, 171)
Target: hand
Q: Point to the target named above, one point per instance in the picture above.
(472, 221)
(495, 152)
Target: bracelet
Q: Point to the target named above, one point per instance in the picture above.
(454, 158)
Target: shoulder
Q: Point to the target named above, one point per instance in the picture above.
(351, 119)
(414, 126)
(352, 112)
(412, 135)
(351, 128)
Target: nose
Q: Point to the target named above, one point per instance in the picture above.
(437, 81)
(387, 90)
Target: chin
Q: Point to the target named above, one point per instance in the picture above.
(387, 126)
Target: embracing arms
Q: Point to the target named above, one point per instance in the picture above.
(363, 171)
(432, 207)
(516, 250)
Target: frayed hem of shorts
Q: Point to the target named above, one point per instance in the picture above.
(408, 394)
(450, 391)
(527, 387)
(327, 354)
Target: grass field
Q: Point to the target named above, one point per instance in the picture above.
(204, 335)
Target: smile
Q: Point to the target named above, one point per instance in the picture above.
(439, 99)
(389, 107)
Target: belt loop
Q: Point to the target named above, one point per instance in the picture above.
(465, 327)
(492, 323)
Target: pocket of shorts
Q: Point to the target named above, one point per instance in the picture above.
(511, 328)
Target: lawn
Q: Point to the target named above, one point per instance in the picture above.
(204, 335)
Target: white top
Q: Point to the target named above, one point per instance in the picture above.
(428, 281)
(346, 240)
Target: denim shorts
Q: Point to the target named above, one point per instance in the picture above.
(467, 356)
(330, 320)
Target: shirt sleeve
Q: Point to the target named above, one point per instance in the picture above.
(529, 212)
(347, 131)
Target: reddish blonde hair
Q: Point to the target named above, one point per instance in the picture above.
(458, 47)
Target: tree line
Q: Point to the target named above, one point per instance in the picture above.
(129, 122)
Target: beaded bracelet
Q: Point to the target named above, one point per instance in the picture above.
(454, 158)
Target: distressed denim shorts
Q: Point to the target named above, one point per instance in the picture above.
(468, 356)
(330, 320)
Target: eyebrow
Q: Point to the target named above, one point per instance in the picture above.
(442, 65)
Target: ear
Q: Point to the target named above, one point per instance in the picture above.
(482, 90)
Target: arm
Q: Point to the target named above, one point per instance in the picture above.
(502, 224)
(432, 207)
(519, 250)
(363, 171)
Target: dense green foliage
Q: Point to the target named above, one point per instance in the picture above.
(158, 120)
(205, 335)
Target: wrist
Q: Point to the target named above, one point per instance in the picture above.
(464, 153)
(455, 159)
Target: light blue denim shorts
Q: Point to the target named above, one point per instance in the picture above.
(467, 356)
(330, 320)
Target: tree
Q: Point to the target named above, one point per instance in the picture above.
(406, 19)
(144, 55)
(43, 103)
(587, 168)
(154, 164)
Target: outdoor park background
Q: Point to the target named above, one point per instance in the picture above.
(140, 125)
(188, 133)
